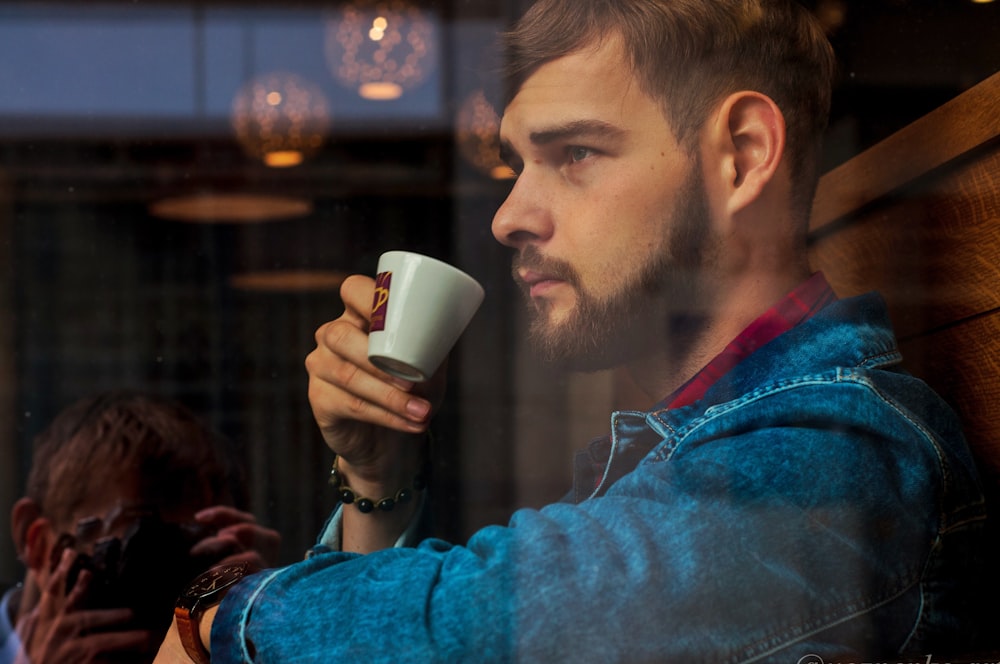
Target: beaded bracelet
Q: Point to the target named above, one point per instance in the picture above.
(348, 495)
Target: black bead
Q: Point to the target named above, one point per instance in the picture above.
(335, 477)
(347, 496)
(386, 504)
(365, 505)
(404, 496)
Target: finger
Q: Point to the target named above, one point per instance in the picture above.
(239, 538)
(339, 342)
(253, 536)
(220, 516)
(64, 627)
(103, 620)
(53, 599)
(57, 582)
(78, 593)
(369, 400)
(253, 560)
(343, 341)
(347, 337)
(215, 548)
(344, 384)
(358, 293)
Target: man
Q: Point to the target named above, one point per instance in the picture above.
(129, 496)
(794, 496)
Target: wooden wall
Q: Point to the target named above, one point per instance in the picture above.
(917, 217)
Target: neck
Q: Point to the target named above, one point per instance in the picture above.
(694, 343)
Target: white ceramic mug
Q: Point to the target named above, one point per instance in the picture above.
(421, 307)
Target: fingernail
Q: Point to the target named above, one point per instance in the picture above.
(417, 409)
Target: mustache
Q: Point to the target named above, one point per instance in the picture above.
(531, 259)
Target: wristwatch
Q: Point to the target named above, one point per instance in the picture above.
(205, 591)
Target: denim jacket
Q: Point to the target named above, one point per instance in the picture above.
(10, 644)
(818, 504)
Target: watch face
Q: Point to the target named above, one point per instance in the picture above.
(216, 580)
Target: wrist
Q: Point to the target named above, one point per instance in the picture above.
(386, 494)
(205, 626)
(393, 462)
(377, 512)
(391, 459)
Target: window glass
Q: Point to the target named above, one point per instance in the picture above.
(145, 241)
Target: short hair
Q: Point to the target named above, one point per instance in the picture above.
(175, 458)
(691, 54)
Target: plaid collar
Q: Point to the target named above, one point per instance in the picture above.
(795, 308)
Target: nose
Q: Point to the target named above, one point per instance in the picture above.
(525, 215)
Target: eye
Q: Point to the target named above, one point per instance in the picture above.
(578, 153)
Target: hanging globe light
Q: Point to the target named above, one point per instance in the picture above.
(477, 133)
(380, 47)
(280, 118)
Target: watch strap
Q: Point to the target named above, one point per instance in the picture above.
(188, 627)
(205, 591)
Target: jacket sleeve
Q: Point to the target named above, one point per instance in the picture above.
(700, 557)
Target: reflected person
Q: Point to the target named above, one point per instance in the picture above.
(129, 496)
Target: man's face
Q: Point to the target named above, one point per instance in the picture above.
(112, 508)
(609, 215)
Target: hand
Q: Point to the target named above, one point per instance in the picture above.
(238, 538)
(366, 416)
(375, 422)
(57, 630)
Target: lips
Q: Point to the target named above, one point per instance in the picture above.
(538, 275)
(538, 283)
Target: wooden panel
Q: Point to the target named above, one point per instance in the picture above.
(968, 121)
(932, 249)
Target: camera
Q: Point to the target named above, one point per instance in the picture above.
(144, 570)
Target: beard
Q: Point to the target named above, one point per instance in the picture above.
(656, 304)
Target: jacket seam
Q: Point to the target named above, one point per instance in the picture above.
(789, 640)
(718, 410)
(869, 361)
(244, 639)
(947, 477)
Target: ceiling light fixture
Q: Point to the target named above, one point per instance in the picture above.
(209, 207)
(380, 47)
(285, 281)
(280, 118)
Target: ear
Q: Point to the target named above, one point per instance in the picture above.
(748, 135)
(32, 533)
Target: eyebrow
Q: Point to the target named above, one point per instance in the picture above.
(570, 131)
(575, 129)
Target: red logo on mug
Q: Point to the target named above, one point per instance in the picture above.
(381, 302)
